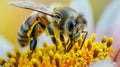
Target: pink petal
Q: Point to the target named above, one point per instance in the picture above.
(109, 24)
(115, 33)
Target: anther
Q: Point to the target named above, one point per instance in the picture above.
(51, 55)
(95, 54)
(2, 61)
(104, 39)
(57, 59)
(110, 41)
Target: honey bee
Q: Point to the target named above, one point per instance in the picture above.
(61, 18)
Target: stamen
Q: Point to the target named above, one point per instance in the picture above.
(104, 39)
(110, 41)
(2, 61)
(48, 56)
(95, 54)
(51, 55)
(57, 60)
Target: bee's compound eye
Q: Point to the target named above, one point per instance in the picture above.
(71, 25)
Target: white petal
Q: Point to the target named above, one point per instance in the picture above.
(107, 19)
(84, 7)
(103, 63)
(41, 39)
(5, 46)
(44, 38)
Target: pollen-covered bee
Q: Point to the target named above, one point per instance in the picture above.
(64, 19)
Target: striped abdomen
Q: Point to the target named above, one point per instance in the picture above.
(27, 30)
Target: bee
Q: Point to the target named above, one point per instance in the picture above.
(61, 18)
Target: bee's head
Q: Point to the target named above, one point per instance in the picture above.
(68, 19)
(63, 15)
(76, 25)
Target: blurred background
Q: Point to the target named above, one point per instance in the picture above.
(12, 17)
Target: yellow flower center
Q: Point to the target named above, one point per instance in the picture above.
(48, 56)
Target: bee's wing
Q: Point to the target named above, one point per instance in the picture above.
(32, 6)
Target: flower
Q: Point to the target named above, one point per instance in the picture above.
(48, 55)
(108, 24)
(93, 52)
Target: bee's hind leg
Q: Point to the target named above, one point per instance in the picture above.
(33, 44)
(33, 36)
(72, 41)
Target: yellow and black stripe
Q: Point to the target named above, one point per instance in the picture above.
(31, 28)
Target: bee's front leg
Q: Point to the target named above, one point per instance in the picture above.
(72, 41)
(83, 38)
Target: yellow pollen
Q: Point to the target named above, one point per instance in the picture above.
(48, 56)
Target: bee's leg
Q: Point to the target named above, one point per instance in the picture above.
(35, 33)
(33, 36)
(69, 47)
(72, 40)
(33, 39)
(33, 44)
(52, 36)
(63, 40)
(23, 36)
(83, 38)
